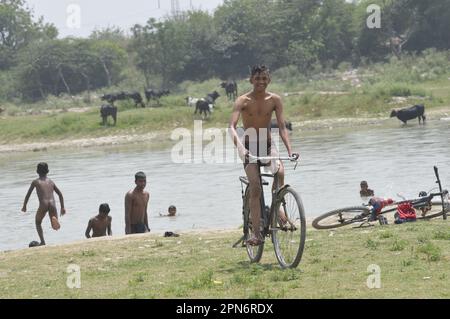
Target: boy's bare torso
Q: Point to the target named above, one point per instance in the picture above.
(139, 202)
(44, 189)
(100, 225)
(257, 113)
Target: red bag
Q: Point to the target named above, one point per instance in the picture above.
(406, 211)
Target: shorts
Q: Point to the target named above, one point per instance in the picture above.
(138, 228)
(263, 149)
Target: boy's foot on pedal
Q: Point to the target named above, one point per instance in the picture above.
(255, 241)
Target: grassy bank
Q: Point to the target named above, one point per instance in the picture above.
(371, 91)
(413, 258)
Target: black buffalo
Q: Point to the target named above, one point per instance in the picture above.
(204, 105)
(108, 110)
(113, 97)
(155, 95)
(136, 97)
(231, 89)
(274, 124)
(410, 113)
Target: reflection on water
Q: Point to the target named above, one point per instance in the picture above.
(392, 160)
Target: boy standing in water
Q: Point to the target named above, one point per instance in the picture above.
(44, 189)
(365, 190)
(136, 204)
(100, 224)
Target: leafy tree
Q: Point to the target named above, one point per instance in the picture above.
(17, 30)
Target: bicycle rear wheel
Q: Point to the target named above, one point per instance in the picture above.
(341, 217)
(435, 211)
(288, 228)
(253, 252)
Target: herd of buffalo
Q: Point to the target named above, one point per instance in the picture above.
(205, 105)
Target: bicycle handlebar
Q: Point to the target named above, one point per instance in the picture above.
(294, 158)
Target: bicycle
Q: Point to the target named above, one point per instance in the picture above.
(284, 222)
(361, 214)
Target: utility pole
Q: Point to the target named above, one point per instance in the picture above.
(175, 7)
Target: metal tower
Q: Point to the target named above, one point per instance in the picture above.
(175, 7)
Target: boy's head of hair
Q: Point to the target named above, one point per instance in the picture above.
(140, 175)
(364, 184)
(42, 169)
(104, 209)
(172, 210)
(258, 69)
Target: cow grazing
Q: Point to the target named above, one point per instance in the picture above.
(205, 105)
(155, 95)
(110, 98)
(108, 110)
(136, 97)
(113, 97)
(274, 124)
(410, 113)
(231, 89)
(1, 110)
(191, 101)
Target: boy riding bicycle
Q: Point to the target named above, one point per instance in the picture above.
(256, 108)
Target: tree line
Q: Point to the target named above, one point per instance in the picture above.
(195, 45)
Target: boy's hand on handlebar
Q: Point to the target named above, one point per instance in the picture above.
(295, 157)
(244, 153)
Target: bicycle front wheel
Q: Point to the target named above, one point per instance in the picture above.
(288, 228)
(341, 217)
(253, 252)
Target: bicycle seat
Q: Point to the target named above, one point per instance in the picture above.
(244, 180)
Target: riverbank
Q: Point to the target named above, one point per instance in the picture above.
(412, 258)
(161, 137)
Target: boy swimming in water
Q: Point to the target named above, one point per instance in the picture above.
(44, 189)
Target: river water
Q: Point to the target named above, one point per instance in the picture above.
(393, 159)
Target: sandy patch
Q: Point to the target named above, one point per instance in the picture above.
(83, 142)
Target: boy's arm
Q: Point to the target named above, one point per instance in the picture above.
(109, 226)
(88, 229)
(146, 215)
(128, 202)
(27, 197)
(61, 200)
(233, 127)
(282, 124)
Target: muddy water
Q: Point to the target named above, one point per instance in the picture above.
(392, 159)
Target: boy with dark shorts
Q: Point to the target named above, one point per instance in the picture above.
(257, 108)
(136, 204)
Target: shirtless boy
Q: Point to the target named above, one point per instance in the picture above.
(44, 189)
(365, 190)
(136, 203)
(100, 224)
(256, 108)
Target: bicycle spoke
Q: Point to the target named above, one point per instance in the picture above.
(341, 217)
(289, 230)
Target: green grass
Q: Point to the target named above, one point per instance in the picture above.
(203, 265)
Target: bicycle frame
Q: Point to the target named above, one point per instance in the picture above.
(275, 190)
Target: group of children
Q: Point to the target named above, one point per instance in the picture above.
(98, 226)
